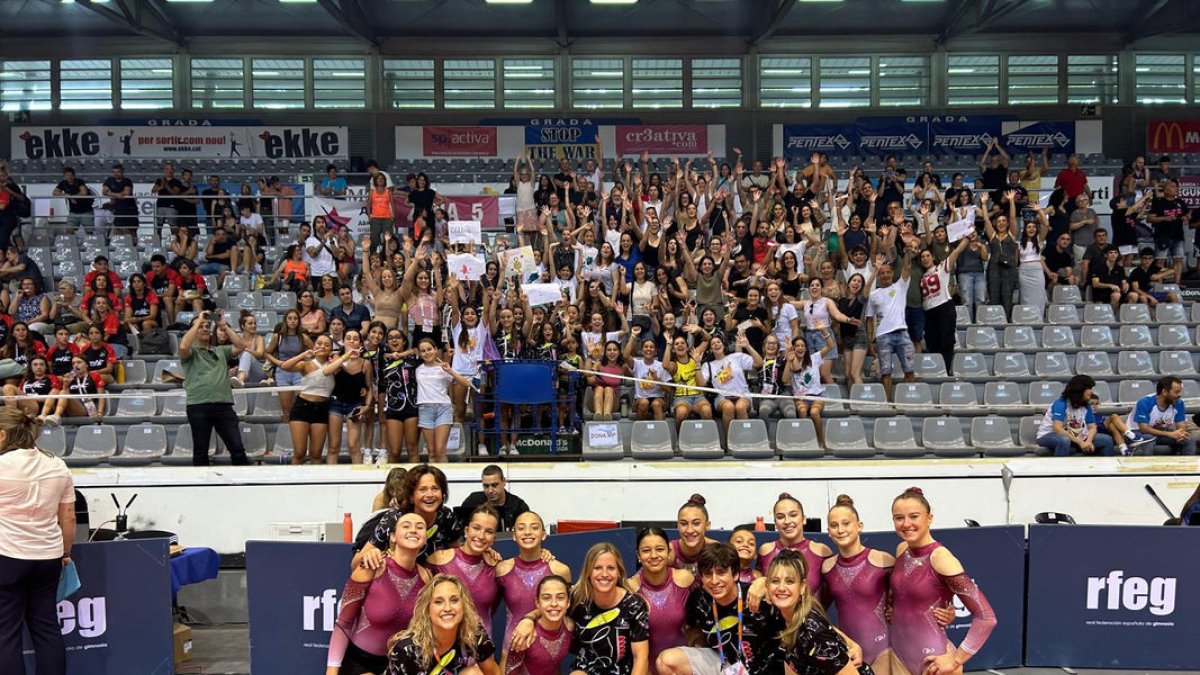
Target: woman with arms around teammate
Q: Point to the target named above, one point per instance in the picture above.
(518, 577)
(471, 564)
(424, 492)
(664, 588)
(552, 632)
(927, 574)
(445, 635)
(612, 624)
(377, 604)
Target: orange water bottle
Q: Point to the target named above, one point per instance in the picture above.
(759, 525)
(348, 528)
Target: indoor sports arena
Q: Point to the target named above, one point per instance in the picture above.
(599, 337)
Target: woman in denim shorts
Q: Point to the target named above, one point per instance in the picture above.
(436, 412)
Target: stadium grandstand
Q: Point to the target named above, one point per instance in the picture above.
(260, 254)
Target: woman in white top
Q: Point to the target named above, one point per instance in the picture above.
(435, 411)
(940, 318)
(785, 320)
(1032, 269)
(804, 370)
(37, 525)
(641, 293)
(468, 332)
(727, 373)
(818, 312)
(649, 399)
(309, 419)
(527, 215)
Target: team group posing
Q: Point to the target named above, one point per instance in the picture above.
(424, 588)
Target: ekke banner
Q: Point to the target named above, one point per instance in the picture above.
(151, 142)
(1165, 136)
(458, 141)
(662, 139)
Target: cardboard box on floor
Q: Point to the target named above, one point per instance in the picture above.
(183, 644)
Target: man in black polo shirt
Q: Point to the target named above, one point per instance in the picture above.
(1168, 214)
(1059, 258)
(188, 204)
(1108, 280)
(993, 170)
(496, 495)
(124, 206)
(80, 212)
(167, 187)
(215, 200)
(1143, 277)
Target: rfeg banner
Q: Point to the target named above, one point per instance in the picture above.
(166, 142)
(1099, 597)
(119, 621)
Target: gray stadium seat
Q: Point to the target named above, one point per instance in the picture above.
(1096, 337)
(1191, 389)
(281, 441)
(1000, 395)
(53, 440)
(894, 437)
(142, 406)
(1174, 336)
(602, 440)
(174, 405)
(1130, 391)
(913, 393)
(1135, 363)
(1098, 314)
(1027, 432)
(281, 301)
(1020, 337)
(241, 403)
(700, 439)
(1132, 336)
(867, 397)
(266, 318)
(94, 443)
(957, 393)
(248, 300)
(1062, 314)
(1051, 364)
(797, 439)
(962, 315)
(846, 438)
(981, 338)
(1135, 313)
(164, 366)
(929, 365)
(1169, 312)
(1066, 294)
(145, 444)
(1094, 364)
(1010, 364)
(236, 283)
(135, 371)
(1177, 363)
(834, 391)
(181, 451)
(992, 435)
(254, 439)
(1058, 337)
(1029, 315)
(1102, 393)
(267, 403)
(990, 315)
(943, 436)
(970, 364)
(747, 439)
(1044, 393)
(651, 440)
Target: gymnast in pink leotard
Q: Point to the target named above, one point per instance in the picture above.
(377, 604)
(692, 522)
(789, 523)
(665, 590)
(927, 575)
(518, 577)
(470, 565)
(857, 580)
(552, 632)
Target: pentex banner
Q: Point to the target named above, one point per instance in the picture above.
(459, 141)
(963, 135)
(801, 140)
(1054, 136)
(201, 142)
(1099, 597)
(1167, 136)
(562, 138)
(891, 136)
(662, 139)
(883, 136)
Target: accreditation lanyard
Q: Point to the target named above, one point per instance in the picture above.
(717, 626)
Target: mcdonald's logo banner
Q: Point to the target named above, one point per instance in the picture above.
(1167, 136)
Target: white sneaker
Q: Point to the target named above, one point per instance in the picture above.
(51, 420)
(482, 450)
(1123, 450)
(380, 456)
(236, 383)
(512, 451)
(1140, 442)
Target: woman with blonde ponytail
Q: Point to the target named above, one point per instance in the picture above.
(37, 526)
(809, 642)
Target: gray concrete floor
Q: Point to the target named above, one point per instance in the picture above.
(224, 649)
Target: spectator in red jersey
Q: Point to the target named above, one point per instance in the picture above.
(1072, 179)
(100, 268)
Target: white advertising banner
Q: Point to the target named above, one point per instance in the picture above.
(167, 142)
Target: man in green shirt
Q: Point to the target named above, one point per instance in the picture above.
(206, 383)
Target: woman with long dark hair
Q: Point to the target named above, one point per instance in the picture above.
(1070, 421)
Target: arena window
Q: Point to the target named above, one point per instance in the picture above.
(339, 83)
(973, 80)
(598, 83)
(469, 83)
(147, 84)
(903, 80)
(716, 83)
(278, 83)
(845, 82)
(1160, 78)
(408, 83)
(786, 82)
(1092, 78)
(657, 83)
(1033, 80)
(85, 84)
(218, 83)
(25, 85)
(529, 83)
